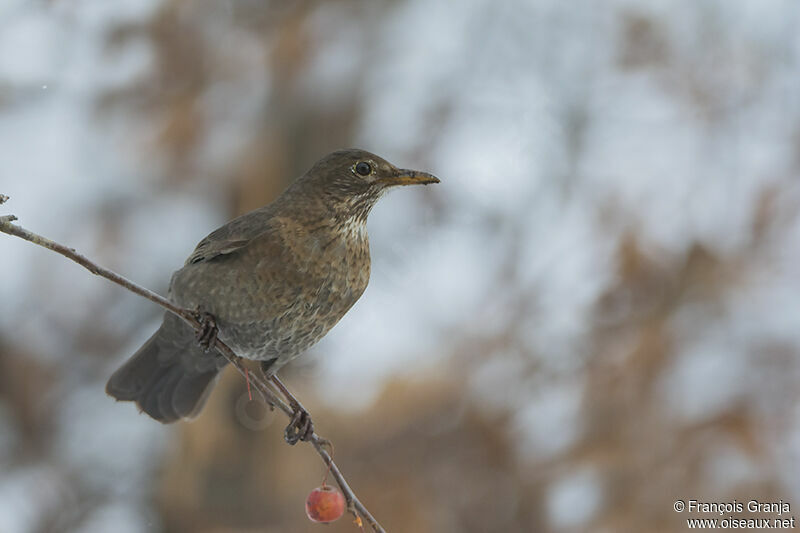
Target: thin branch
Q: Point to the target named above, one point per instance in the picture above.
(354, 505)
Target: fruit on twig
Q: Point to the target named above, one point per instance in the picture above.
(325, 504)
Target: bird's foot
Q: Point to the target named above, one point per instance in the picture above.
(300, 428)
(207, 334)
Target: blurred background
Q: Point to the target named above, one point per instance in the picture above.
(593, 315)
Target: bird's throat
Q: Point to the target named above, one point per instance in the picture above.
(354, 229)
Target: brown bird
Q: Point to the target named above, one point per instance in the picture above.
(275, 281)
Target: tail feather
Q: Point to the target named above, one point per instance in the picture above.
(168, 378)
(186, 401)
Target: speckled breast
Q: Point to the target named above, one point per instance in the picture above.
(301, 325)
(275, 299)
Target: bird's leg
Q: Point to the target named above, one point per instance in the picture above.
(300, 427)
(207, 335)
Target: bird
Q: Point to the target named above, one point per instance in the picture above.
(271, 282)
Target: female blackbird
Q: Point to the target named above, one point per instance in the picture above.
(275, 280)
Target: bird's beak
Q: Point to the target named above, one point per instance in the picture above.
(408, 177)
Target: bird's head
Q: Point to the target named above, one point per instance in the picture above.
(354, 180)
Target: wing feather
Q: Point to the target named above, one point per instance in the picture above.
(231, 237)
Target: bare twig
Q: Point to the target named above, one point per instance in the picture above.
(354, 505)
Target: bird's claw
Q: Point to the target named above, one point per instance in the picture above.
(300, 428)
(207, 335)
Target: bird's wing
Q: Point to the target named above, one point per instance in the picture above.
(231, 237)
(211, 248)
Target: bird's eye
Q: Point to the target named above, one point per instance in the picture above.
(363, 168)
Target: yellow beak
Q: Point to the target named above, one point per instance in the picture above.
(409, 177)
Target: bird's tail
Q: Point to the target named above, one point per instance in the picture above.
(170, 377)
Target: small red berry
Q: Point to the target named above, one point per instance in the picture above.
(325, 504)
